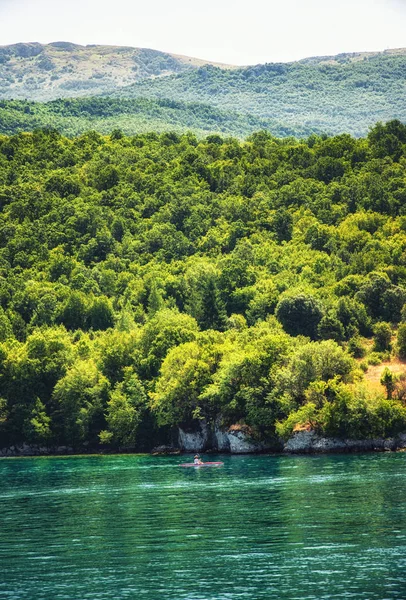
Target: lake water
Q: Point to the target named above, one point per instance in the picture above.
(261, 527)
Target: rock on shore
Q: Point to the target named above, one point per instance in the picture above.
(310, 442)
(236, 439)
(26, 450)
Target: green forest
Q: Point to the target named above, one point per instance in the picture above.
(341, 94)
(138, 115)
(158, 280)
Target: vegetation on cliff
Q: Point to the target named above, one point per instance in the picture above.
(154, 280)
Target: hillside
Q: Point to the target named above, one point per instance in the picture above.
(157, 280)
(132, 116)
(346, 93)
(61, 69)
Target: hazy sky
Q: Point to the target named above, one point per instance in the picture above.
(233, 31)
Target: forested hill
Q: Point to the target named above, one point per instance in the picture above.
(152, 90)
(155, 280)
(62, 69)
(346, 93)
(137, 115)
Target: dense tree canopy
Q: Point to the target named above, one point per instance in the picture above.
(156, 280)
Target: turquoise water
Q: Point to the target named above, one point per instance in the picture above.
(262, 527)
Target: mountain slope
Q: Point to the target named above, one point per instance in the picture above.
(61, 69)
(136, 115)
(346, 93)
(153, 90)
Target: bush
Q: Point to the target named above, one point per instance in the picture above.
(300, 314)
(348, 413)
(356, 348)
(304, 417)
(382, 337)
(357, 416)
(388, 380)
(100, 314)
(315, 361)
(353, 316)
(401, 340)
(375, 358)
(330, 328)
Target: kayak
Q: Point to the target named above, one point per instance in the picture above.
(206, 464)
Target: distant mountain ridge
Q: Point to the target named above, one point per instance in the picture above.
(352, 56)
(141, 89)
(45, 72)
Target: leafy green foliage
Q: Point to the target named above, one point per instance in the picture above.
(382, 337)
(154, 280)
(401, 340)
(299, 314)
(388, 381)
(78, 400)
(124, 411)
(115, 116)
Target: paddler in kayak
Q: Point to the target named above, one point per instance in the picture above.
(197, 460)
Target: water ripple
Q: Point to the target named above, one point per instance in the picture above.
(266, 527)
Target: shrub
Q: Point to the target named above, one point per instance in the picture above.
(305, 416)
(388, 380)
(382, 337)
(375, 358)
(356, 348)
(330, 328)
(300, 314)
(401, 340)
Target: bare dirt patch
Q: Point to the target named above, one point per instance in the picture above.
(374, 373)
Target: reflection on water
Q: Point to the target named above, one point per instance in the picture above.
(264, 527)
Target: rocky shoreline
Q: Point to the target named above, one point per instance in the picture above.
(27, 450)
(239, 440)
(234, 440)
(308, 442)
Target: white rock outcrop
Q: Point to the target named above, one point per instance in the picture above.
(235, 439)
(221, 440)
(194, 441)
(241, 443)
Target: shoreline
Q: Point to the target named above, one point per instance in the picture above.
(223, 454)
(303, 442)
